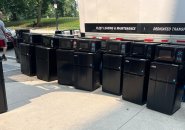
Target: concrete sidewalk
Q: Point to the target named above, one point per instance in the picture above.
(37, 105)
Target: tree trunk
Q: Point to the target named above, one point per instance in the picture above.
(39, 12)
(14, 16)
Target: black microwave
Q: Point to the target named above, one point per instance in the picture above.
(88, 45)
(143, 50)
(32, 38)
(67, 43)
(50, 41)
(170, 53)
(118, 47)
(19, 32)
(64, 35)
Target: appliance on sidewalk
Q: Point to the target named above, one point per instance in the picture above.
(136, 72)
(87, 61)
(75, 32)
(32, 38)
(64, 35)
(20, 32)
(167, 79)
(18, 40)
(27, 50)
(65, 61)
(115, 51)
(103, 51)
(3, 100)
(46, 63)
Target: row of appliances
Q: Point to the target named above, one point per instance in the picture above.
(149, 72)
(137, 71)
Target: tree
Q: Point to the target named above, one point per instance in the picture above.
(13, 7)
(39, 11)
(70, 8)
(29, 9)
(42, 6)
(61, 4)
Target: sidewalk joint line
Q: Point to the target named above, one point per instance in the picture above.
(131, 118)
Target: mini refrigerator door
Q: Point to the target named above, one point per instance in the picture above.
(86, 71)
(164, 72)
(65, 66)
(135, 80)
(164, 97)
(46, 63)
(136, 66)
(112, 73)
(28, 59)
(86, 78)
(17, 41)
(112, 61)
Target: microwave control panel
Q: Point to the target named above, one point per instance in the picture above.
(149, 52)
(123, 48)
(179, 55)
(93, 47)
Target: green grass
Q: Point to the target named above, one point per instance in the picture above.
(50, 23)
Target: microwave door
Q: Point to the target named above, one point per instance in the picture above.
(166, 54)
(114, 47)
(138, 50)
(84, 46)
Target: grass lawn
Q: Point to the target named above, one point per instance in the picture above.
(47, 23)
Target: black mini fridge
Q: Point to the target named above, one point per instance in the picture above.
(27, 51)
(103, 51)
(87, 61)
(17, 48)
(3, 100)
(136, 72)
(17, 41)
(65, 61)
(28, 59)
(135, 80)
(46, 63)
(165, 87)
(167, 79)
(112, 66)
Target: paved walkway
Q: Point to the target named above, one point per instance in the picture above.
(37, 105)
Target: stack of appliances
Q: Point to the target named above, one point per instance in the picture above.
(46, 62)
(65, 61)
(103, 51)
(27, 50)
(3, 101)
(167, 78)
(87, 62)
(136, 72)
(113, 56)
(19, 39)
